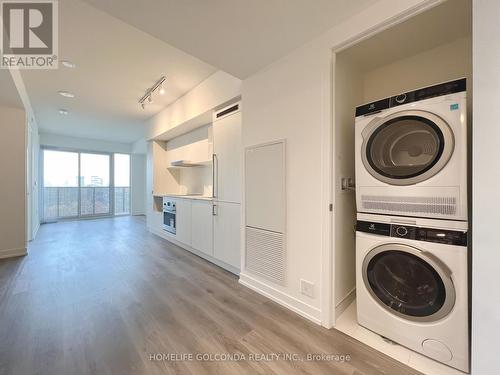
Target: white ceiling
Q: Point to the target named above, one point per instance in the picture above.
(441, 24)
(116, 63)
(9, 96)
(237, 36)
(121, 47)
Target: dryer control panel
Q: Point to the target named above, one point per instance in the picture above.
(444, 236)
(441, 89)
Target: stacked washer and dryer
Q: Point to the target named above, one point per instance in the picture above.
(411, 235)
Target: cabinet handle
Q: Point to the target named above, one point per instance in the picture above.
(215, 175)
(214, 210)
(213, 178)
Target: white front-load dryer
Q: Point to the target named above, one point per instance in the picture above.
(411, 153)
(411, 284)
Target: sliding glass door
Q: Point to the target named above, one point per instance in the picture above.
(60, 184)
(82, 184)
(95, 184)
(122, 184)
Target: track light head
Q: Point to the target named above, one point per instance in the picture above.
(147, 98)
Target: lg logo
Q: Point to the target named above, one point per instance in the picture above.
(29, 33)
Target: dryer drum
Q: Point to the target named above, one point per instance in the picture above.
(407, 147)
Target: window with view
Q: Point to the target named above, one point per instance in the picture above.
(84, 184)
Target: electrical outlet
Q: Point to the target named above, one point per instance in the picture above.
(307, 288)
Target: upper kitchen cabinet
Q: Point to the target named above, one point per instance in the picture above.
(227, 154)
(157, 176)
(190, 148)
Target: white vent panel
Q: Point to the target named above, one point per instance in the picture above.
(265, 254)
(446, 206)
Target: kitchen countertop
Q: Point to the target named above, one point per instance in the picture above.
(187, 196)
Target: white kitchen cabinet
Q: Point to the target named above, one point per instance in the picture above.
(183, 221)
(202, 226)
(158, 178)
(227, 233)
(194, 146)
(227, 150)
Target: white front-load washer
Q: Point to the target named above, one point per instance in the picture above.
(412, 284)
(411, 153)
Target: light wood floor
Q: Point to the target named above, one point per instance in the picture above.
(101, 296)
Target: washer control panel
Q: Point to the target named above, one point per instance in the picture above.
(410, 232)
(403, 231)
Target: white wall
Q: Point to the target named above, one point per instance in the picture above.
(292, 99)
(32, 158)
(85, 144)
(216, 90)
(443, 63)
(13, 185)
(348, 94)
(196, 180)
(138, 184)
(486, 189)
(140, 147)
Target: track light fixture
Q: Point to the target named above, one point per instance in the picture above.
(147, 98)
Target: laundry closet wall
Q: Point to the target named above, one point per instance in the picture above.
(445, 62)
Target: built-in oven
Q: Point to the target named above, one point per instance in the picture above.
(169, 216)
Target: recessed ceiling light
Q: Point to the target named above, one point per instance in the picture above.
(162, 90)
(66, 94)
(68, 64)
(63, 111)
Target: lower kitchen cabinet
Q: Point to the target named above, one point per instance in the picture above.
(183, 221)
(227, 233)
(202, 226)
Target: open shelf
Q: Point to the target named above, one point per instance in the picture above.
(192, 164)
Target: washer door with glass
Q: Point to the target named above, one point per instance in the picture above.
(408, 282)
(406, 147)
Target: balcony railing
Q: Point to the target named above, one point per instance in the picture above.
(73, 202)
(122, 200)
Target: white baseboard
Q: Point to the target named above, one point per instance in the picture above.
(303, 309)
(168, 237)
(345, 302)
(11, 253)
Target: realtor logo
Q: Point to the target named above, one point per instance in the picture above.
(29, 34)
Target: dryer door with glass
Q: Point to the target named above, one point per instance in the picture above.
(406, 147)
(408, 282)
